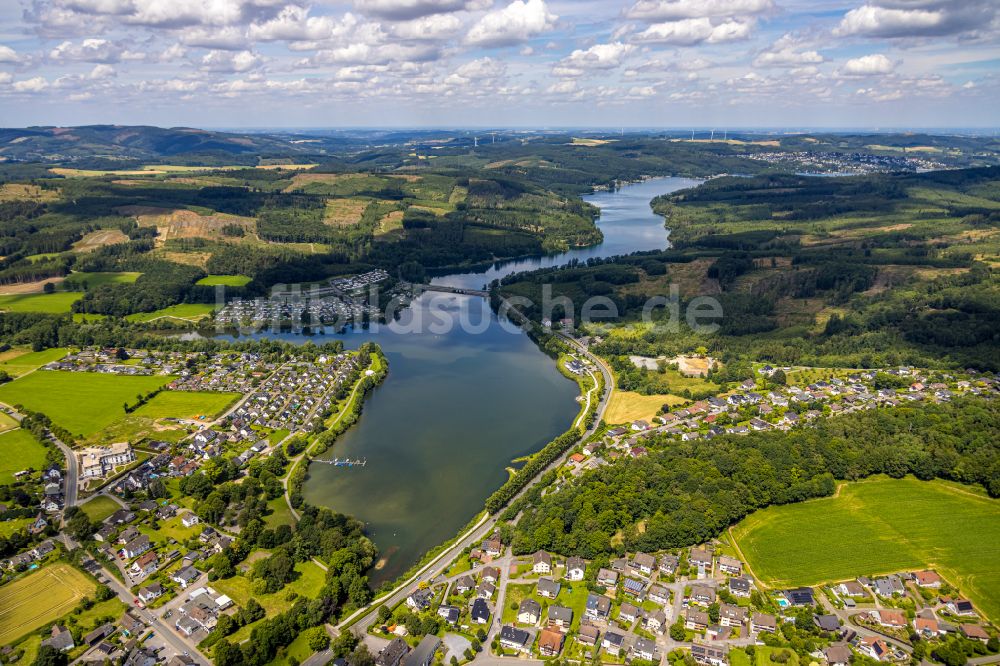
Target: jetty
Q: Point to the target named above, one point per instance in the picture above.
(344, 462)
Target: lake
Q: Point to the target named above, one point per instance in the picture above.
(461, 403)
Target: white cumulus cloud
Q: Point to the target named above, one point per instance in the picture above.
(517, 22)
(876, 64)
(688, 32)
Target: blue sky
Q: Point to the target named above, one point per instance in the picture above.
(663, 63)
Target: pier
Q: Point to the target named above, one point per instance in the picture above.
(344, 462)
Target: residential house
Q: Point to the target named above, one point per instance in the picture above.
(541, 562)
(491, 574)
(423, 654)
(464, 584)
(889, 586)
(588, 635)
(607, 577)
(420, 600)
(730, 565)
(548, 588)
(888, 618)
(974, 632)
(393, 653)
(927, 579)
(959, 606)
(598, 607)
(668, 564)
(145, 564)
(60, 638)
(838, 654)
(136, 547)
(696, 620)
(874, 647)
(513, 638)
(185, 576)
(613, 642)
(644, 649)
(659, 594)
(800, 596)
(529, 611)
(709, 655)
(633, 587)
(449, 613)
(480, 612)
(644, 563)
(827, 622)
(150, 592)
(189, 519)
(576, 568)
(550, 642)
(927, 627)
(701, 558)
(560, 616)
(851, 588)
(740, 587)
(760, 622)
(493, 547)
(655, 622)
(731, 615)
(486, 590)
(702, 594)
(627, 614)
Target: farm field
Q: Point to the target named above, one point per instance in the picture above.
(224, 280)
(40, 598)
(48, 303)
(92, 280)
(628, 406)
(100, 507)
(19, 362)
(19, 450)
(879, 526)
(187, 311)
(81, 402)
(187, 404)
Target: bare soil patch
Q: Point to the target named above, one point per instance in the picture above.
(99, 238)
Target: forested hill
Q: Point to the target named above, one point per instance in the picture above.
(686, 493)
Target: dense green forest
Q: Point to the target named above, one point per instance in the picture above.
(864, 271)
(686, 493)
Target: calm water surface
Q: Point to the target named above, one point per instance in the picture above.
(458, 405)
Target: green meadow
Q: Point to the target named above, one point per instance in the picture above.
(81, 402)
(224, 280)
(19, 450)
(92, 280)
(48, 303)
(879, 526)
(187, 404)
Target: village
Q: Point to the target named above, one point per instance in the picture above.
(645, 608)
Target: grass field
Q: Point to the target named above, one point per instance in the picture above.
(81, 402)
(19, 450)
(8, 527)
(187, 404)
(879, 526)
(40, 598)
(99, 279)
(186, 311)
(238, 588)
(224, 280)
(49, 303)
(100, 508)
(17, 362)
(628, 406)
(7, 422)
